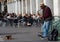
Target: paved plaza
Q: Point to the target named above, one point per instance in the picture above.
(21, 34)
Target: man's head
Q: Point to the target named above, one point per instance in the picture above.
(42, 5)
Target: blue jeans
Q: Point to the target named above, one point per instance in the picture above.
(45, 28)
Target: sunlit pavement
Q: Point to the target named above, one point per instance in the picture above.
(21, 34)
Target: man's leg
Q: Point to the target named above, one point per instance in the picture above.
(47, 27)
(44, 29)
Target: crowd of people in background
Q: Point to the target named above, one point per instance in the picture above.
(27, 19)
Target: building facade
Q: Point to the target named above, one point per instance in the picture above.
(30, 6)
(24, 6)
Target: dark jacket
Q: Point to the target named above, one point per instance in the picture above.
(47, 15)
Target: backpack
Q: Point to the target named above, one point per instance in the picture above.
(53, 36)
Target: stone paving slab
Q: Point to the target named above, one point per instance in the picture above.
(22, 34)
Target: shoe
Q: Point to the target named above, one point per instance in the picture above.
(41, 36)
